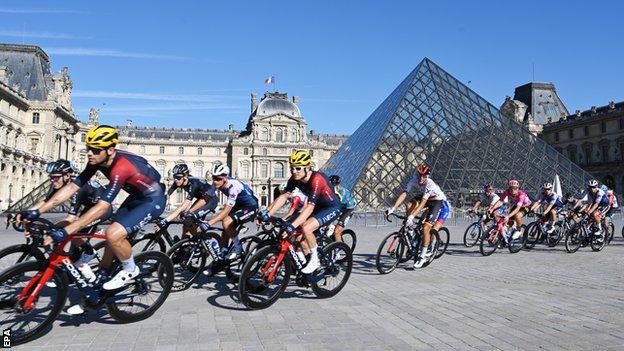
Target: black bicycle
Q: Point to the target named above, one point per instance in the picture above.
(536, 232)
(474, 233)
(403, 245)
(585, 232)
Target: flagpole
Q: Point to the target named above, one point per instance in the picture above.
(274, 84)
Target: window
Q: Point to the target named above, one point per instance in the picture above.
(278, 170)
(162, 150)
(603, 127)
(279, 135)
(34, 142)
(265, 151)
(181, 150)
(587, 151)
(246, 151)
(572, 153)
(586, 131)
(200, 151)
(264, 170)
(294, 135)
(312, 153)
(82, 137)
(244, 171)
(35, 119)
(264, 134)
(142, 148)
(556, 136)
(571, 134)
(161, 169)
(199, 170)
(605, 152)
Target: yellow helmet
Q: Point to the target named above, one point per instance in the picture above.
(300, 158)
(102, 136)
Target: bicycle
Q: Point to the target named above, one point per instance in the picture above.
(267, 272)
(536, 232)
(403, 245)
(496, 237)
(190, 255)
(29, 305)
(583, 233)
(474, 232)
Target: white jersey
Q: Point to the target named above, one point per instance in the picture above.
(429, 189)
(487, 201)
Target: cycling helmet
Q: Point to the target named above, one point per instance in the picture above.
(592, 183)
(488, 187)
(60, 166)
(300, 158)
(181, 168)
(282, 188)
(423, 170)
(334, 179)
(547, 186)
(513, 183)
(220, 170)
(101, 137)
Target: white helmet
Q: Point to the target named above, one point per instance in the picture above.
(282, 188)
(547, 186)
(220, 170)
(592, 183)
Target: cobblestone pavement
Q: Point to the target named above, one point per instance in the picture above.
(542, 299)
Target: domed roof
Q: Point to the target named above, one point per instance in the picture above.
(271, 106)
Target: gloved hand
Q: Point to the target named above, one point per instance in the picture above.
(188, 214)
(30, 215)
(161, 222)
(390, 211)
(263, 216)
(288, 227)
(409, 221)
(58, 234)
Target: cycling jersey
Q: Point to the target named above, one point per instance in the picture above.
(317, 189)
(238, 194)
(82, 200)
(429, 189)
(129, 172)
(195, 189)
(487, 201)
(591, 198)
(520, 199)
(552, 199)
(346, 198)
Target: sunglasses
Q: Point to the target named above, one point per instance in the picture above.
(94, 150)
(296, 169)
(218, 179)
(178, 177)
(55, 177)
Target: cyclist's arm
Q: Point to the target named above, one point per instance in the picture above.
(37, 205)
(70, 218)
(591, 208)
(183, 207)
(94, 213)
(199, 204)
(476, 205)
(400, 199)
(419, 207)
(62, 195)
(278, 203)
(516, 210)
(548, 208)
(221, 216)
(536, 205)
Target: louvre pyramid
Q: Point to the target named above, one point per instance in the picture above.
(433, 118)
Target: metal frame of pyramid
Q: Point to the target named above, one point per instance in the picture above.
(432, 118)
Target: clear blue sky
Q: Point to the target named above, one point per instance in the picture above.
(194, 63)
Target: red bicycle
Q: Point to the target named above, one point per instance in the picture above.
(29, 304)
(497, 236)
(267, 272)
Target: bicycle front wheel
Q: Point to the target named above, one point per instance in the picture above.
(574, 239)
(149, 291)
(189, 259)
(444, 236)
(336, 265)
(490, 241)
(14, 254)
(349, 238)
(389, 253)
(150, 242)
(263, 279)
(472, 234)
(26, 325)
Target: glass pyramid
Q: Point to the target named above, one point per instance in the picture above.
(433, 118)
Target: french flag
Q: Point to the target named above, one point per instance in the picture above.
(269, 80)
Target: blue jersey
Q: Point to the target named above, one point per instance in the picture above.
(552, 199)
(346, 198)
(239, 194)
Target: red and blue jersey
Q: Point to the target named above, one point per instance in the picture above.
(318, 190)
(129, 172)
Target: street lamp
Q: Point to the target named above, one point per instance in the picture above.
(10, 190)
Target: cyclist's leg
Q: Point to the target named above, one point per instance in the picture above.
(233, 221)
(318, 219)
(345, 215)
(444, 213)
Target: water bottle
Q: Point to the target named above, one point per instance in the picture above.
(204, 227)
(86, 271)
(330, 230)
(215, 246)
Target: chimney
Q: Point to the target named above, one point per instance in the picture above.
(254, 102)
(295, 100)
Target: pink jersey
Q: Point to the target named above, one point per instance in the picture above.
(521, 198)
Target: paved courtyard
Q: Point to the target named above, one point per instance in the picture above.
(542, 299)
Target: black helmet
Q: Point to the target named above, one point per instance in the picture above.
(334, 179)
(181, 168)
(60, 166)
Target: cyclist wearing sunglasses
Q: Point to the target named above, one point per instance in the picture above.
(241, 206)
(323, 205)
(520, 205)
(146, 200)
(204, 195)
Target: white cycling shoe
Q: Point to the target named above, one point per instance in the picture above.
(236, 252)
(517, 234)
(121, 279)
(312, 265)
(75, 310)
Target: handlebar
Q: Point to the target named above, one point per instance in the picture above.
(17, 226)
(400, 217)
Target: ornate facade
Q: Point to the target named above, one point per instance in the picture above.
(258, 155)
(37, 121)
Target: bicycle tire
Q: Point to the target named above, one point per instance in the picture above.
(395, 252)
(164, 271)
(24, 252)
(8, 300)
(189, 259)
(554, 238)
(150, 242)
(352, 242)
(469, 234)
(444, 236)
(596, 244)
(332, 269)
(488, 247)
(611, 227)
(574, 239)
(515, 245)
(532, 235)
(262, 260)
(234, 268)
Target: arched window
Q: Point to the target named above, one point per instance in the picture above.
(199, 169)
(294, 135)
(264, 134)
(246, 151)
(200, 151)
(265, 152)
(142, 149)
(162, 150)
(279, 135)
(264, 170)
(278, 170)
(181, 150)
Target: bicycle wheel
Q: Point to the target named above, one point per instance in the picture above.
(611, 227)
(472, 234)
(189, 259)
(390, 252)
(444, 237)
(262, 280)
(336, 265)
(150, 242)
(234, 267)
(597, 243)
(149, 291)
(28, 325)
(533, 233)
(574, 239)
(14, 254)
(349, 238)
(554, 237)
(490, 241)
(515, 245)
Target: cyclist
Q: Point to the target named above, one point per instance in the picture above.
(240, 207)
(488, 199)
(348, 204)
(204, 194)
(297, 201)
(429, 196)
(125, 171)
(596, 205)
(553, 204)
(323, 205)
(520, 206)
